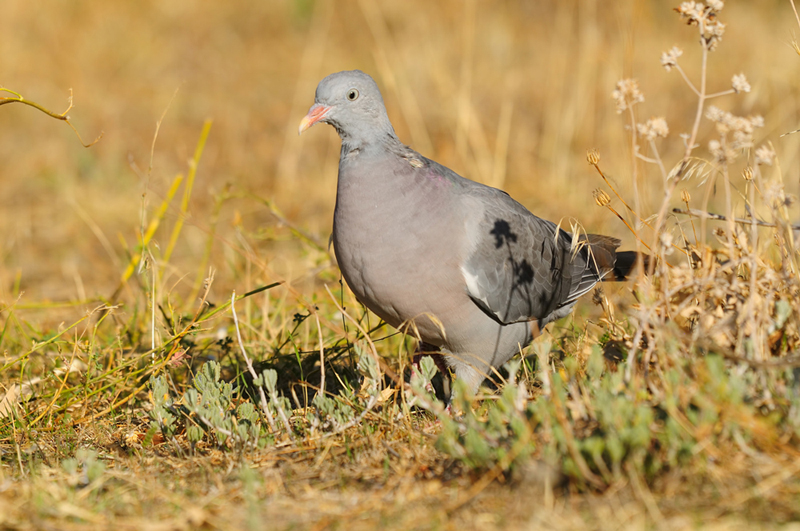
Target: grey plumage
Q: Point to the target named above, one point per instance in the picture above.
(462, 265)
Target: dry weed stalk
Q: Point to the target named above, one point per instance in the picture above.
(264, 407)
(701, 333)
(18, 98)
(729, 307)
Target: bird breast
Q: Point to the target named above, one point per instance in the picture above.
(394, 236)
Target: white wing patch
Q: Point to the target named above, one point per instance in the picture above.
(472, 285)
(474, 290)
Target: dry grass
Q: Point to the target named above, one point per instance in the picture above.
(670, 403)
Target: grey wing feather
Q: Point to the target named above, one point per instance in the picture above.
(523, 267)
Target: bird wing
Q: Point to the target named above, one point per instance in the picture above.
(521, 267)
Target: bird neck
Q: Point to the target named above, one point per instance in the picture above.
(385, 141)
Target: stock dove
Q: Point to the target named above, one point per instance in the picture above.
(460, 265)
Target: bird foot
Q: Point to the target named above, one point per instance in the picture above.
(426, 349)
(415, 370)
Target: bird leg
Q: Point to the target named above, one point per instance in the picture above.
(426, 349)
(536, 330)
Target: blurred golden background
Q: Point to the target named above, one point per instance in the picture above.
(508, 93)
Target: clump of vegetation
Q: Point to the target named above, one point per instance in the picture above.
(705, 362)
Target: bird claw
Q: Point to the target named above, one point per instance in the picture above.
(416, 370)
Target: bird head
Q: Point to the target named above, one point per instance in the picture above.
(351, 102)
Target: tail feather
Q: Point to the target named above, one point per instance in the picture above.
(625, 264)
(602, 250)
(610, 264)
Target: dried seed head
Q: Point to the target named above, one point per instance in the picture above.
(669, 59)
(601, 197)
(756, 121)
(131, 439)
(713, 34)
(665, 238)
(694, 12)
(715, 114)
(593, 156)
(740, 84)
(653, 128)
(705, 18)
(685, 197)
(598, 296)
(627, 94)
(765, 155)
(722, 153)
(742, 130)
(747, 173)
(729, 122)
(774, 194)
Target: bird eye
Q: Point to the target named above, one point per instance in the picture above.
(352, 95)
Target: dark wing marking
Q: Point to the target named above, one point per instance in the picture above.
(523, 267)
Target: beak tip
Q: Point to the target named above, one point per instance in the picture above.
(305, 123)
(315, 114)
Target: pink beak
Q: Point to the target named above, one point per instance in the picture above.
(316, 113)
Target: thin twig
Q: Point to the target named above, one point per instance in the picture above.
(646, 496)
(691, 220)
(321, 357)
(635, 167)
(158, 128)
(701, 99)
(373, 350)
(603, 175)
(250, 369)
(658, 160)
(153, 307)
(686, 78)
(629, 227)
(187, 190)
(63, 116)
(721, 93)
(796, 16)
(719, 217)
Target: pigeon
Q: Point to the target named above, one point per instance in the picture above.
(458, 264)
